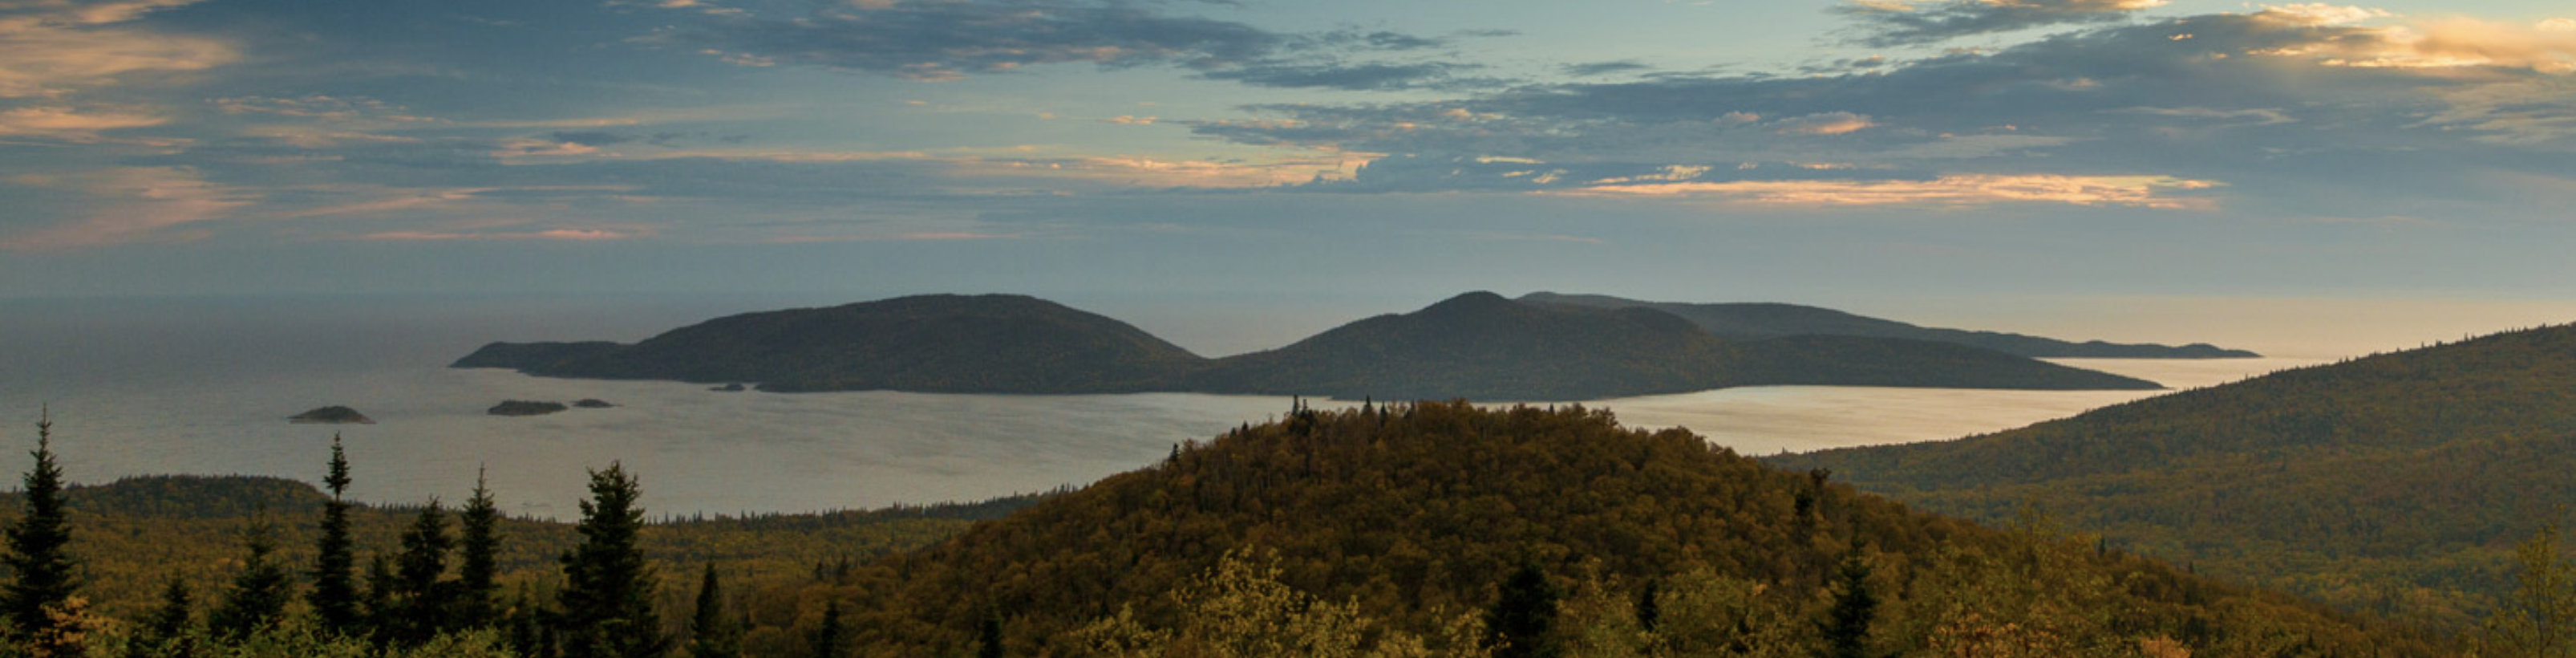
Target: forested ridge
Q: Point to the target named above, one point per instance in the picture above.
(1424, 529)
(1417, 514)
(1754, 320)
(2396, 483)
(1476, 346)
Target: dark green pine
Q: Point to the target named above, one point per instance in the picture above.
(711, 634)
(1846, 626)
(1522, 612)
(260, 591)
(418, 598)
(478, 589)
(335, 591)
(44, 574)
(608, 587)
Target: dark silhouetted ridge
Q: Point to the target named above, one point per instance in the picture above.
(1773, 320)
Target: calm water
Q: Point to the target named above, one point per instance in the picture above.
(204, 386)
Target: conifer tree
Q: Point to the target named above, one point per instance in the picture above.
(1522, 613)
(711, 634)
(41, 567)
(382, 612)
(1846, 625)
(827, 637)
(477, 568)
(1648, 609)
(988, 635)
(419, 599)
(608, 588)
(260, 591)
(335, 592)
(167, 633)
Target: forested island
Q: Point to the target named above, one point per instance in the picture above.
(1773, 320)
(1477, 346)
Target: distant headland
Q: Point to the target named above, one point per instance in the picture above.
(1477, 346)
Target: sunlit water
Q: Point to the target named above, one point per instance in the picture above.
(204, 386)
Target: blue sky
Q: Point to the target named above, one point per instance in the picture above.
(1825, 152)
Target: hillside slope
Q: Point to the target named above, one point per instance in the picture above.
(1481, 346)
(2396, 482)
(1415, 513)
(929, 343)
(1771, 320)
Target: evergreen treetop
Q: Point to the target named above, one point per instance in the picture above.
(608, 587)
(43, 572)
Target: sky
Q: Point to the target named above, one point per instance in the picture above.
(1932, 156)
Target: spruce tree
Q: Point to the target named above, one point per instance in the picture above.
(1523, 610)
(38, 559)
(988, 635)
(382, 612)
(478, 547)
(711, 634)
(260, 591)
(167, 633)
(1649, 610)
(608, 588)
(335, 591)
(419, 599)
(1846, 625)
(827, 638)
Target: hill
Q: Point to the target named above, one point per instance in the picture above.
(1399, 521)
(2396, 482)
(930, 343)
(1772, 320)
(1476, 346)
(1484, 347)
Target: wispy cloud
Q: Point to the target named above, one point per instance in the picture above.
(52, 49)
(72, 125)
(2157, 192)
(1904, 23)
(127, 204)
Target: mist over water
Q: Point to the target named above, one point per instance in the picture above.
(152, 386)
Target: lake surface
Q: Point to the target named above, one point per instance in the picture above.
(147, 386)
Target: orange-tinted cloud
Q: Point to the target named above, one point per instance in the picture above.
(62, 47)
(72, 125)
(129, 204)
(1959, 190)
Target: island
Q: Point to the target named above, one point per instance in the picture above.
(1758, 320)
(1477, 346)
(331, 415)
(592, 403)
(524, 408)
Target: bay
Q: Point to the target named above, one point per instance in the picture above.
(203, 385)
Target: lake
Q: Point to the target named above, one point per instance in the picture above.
(200, 385)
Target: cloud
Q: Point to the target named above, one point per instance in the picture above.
(1823, 123)
(1374, 76)
(948, 40)
(1888, 23)
(553, 234)
(52, 49)
(1590, 69)
(71, 125)
(2157, 192)
(934, 40)
(126, 204)
(2285, 104)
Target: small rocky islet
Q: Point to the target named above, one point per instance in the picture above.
(331, 415)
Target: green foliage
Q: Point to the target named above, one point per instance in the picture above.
(2539, 619)
(420, 603)
(43, 577)
(1847, 623)
(260, 590)
(1240, 609)
(2393, 484)
(478, 570)
(712, 634)
(334, 598)
(1524, 607)
(608, 589)
(1412, 510)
